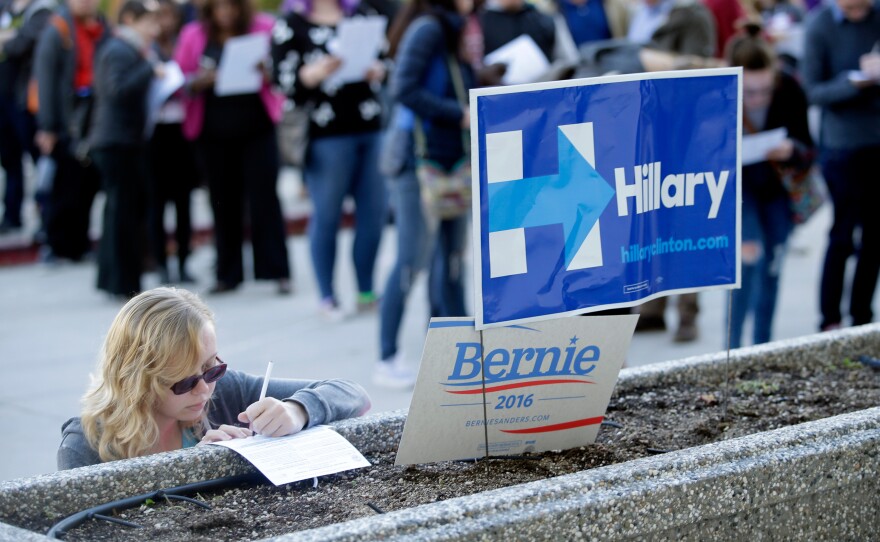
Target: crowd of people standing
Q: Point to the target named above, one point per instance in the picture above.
(74, 99)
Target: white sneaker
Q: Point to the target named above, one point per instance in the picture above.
(394, 374)
(331, 312)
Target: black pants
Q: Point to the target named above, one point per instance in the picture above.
(243, 173)
(69, 205)
(17, 128)
(121, 250)
(173, 175)
(851, 177)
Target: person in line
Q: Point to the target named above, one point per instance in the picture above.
(64, 72)
(426, 40)
(118, 144)
(502, 21)
(173, 170)
(161, 385)
(771, 99)
(675, 26)
(841, 71)
(21, 23)
(237, 141)
(593, 20)
(342, 153)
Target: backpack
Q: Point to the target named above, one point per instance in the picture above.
(33, 94)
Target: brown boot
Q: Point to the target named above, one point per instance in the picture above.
(687, 332)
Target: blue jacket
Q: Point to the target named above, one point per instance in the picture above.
(422, 84)
(832, 48)
(325, 401)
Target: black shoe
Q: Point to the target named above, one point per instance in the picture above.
(651, 323)
(687, 332)
(8, 227)
(284, 287)
(184, 277)
(221, 288)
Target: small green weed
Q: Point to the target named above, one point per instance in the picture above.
(757, 387)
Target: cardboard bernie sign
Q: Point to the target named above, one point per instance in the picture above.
(511, 390)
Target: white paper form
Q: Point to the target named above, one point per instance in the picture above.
(238, 73)
(358, 42)
(314, 452)
(525, 61)
(756, 146)
(163, 87)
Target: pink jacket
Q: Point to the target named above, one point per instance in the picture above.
(190, 46)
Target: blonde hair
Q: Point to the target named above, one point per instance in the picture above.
(153, 342)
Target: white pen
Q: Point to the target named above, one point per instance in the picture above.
(266, 381)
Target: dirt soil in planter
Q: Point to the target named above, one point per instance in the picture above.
(652, 419)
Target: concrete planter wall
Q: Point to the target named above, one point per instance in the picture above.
(818, 480)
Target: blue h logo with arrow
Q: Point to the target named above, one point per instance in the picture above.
(575, 198)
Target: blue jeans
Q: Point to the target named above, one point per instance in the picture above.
(765, 229)
(421, 239)
(337, 166)
(851, 177)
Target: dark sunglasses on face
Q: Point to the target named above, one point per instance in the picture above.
(213, 374)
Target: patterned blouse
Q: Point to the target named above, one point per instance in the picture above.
(334, 110)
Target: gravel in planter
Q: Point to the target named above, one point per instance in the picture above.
(654, 420)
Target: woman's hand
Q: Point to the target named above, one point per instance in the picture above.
(45, 141)
(203, 80)
(273, 418)
(226, 432)
(377, 72)
(313, 73)
(869, 64)
(782, 152)
(263, 68)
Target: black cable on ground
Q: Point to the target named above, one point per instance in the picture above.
(176, 493)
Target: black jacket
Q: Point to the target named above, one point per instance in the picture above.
(16, 60)
(54, 66)
(122, 81)
(502, 27)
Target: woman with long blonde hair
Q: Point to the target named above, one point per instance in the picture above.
(161, 386)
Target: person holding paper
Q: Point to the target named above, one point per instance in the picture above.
(124, 68)
(236, 138)
(841, 74)
(771, 99)
(161, 385)
(341, 158)
(505, 20)
(173, 170)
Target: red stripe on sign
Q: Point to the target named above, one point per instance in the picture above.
(556, 427)
(519, 385)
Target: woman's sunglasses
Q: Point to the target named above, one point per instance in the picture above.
(213, 374)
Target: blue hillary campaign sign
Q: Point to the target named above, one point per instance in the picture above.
(605, 192)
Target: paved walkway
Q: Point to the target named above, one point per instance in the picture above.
(52, 321)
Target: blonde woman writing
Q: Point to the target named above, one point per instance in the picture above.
(161, 386)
